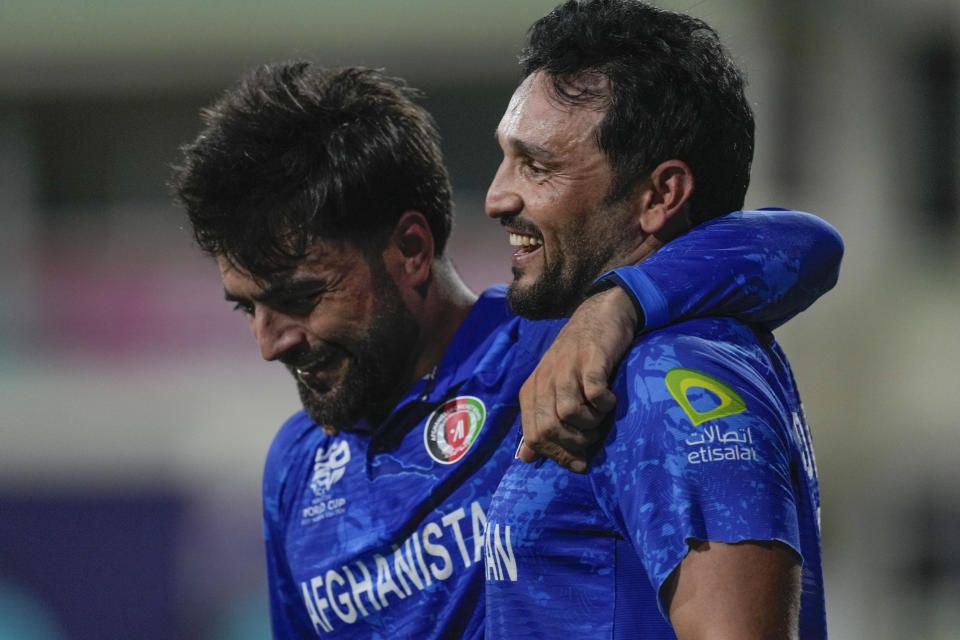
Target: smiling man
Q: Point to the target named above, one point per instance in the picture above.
(323, 197)
(699, 516)
(569, 230)
(347, 361)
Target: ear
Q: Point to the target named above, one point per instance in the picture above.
(411, 244)
(665, 205)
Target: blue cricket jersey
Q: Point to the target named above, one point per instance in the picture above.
(379, 533)
(708, 442)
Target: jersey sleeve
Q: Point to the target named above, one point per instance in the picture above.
(288, 618)
(762, 267)
(701, 451)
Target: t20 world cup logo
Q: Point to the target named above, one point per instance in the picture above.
(451, 429)
(328, 466)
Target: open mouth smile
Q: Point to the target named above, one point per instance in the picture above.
(525, 244)
(321, 365)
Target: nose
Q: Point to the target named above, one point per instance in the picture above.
(275, 332)
(502, 197)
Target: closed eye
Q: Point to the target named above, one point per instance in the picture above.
(299, 306)
(292, 298)
(244, 307)
(534, 170)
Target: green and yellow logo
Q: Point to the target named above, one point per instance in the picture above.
(680, 381)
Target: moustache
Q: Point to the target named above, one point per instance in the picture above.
(304, 360)
(515, 223)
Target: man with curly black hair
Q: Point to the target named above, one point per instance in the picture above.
(322, 195)
(699, 515)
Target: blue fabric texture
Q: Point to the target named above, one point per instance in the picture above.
(709, 442)
(762, 267)
(380, 533)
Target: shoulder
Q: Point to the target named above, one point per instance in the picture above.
(709, 342)
(531, 336)
(493, 302)
(496, 292)
(702, 411)
(292, 432)
(774, 220)
(700, 370)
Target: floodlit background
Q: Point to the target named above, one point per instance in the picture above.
(135, 412)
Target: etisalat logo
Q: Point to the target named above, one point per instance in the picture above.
(451, 429)
(329, 466)
(711, 444)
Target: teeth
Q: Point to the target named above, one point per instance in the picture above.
(518, 240)
(303, 374)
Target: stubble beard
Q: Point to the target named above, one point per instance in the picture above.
(561, 287)
(378, 363)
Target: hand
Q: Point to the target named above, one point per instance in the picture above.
(565, 399)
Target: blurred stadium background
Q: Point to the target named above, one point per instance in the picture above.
(135, 412)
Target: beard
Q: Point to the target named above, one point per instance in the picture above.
(562, 286)
(372, 371)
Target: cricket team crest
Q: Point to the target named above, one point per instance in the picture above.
(451, 429)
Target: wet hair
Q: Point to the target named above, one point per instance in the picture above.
(673, 92)
(296, 153)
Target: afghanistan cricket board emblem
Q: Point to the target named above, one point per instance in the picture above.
(451, 429)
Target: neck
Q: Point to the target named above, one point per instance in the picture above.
(651, 242)
(441, 306)
(447, 302)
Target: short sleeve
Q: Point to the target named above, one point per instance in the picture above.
(700, 451)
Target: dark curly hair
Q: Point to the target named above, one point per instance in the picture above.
(297, 153)
(674, 93)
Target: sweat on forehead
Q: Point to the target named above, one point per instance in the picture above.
(541, 124)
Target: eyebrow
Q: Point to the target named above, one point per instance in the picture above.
(527, 148)
(281, 290)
